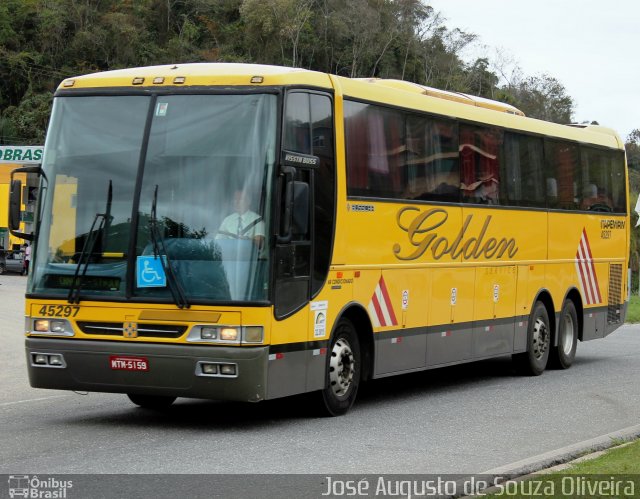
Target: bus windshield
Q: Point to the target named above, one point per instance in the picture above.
(193, 194)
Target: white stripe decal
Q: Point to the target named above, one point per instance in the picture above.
(383, 306)
(586, 271)
(373, 314)
(380, 307)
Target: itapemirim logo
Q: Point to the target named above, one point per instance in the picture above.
(33, 487)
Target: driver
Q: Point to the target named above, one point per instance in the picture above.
(242, 223)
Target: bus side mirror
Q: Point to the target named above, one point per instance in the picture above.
(295, 216)
(15, 200)
(300, 208)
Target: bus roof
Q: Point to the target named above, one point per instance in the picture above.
(445, 94)
(388, 91)
(199, 74)
(469, 108)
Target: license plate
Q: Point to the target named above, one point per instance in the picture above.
(128, 363)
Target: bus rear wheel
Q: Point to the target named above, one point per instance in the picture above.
(563, 355)
(151, 401)
(343, 370)
(534, 361)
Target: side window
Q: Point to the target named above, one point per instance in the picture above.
(432, 172)
(618, 182)
(522, 171)
(595, 188)
(480, 159)
(297, 133)
(602, 180)
(376, 150)
(562, 175)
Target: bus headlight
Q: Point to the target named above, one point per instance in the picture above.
(41, 325)
(209, 333)
(253, 334)
(227, 334)
(56, 327)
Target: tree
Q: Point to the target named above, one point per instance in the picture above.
(632, 146)
(277, 23)
(45, 41)
(543, 97)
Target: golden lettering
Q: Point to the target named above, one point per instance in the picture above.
(423, 236)
(415, 229)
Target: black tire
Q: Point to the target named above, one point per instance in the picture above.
(151, 401)
(343, 371)
(2, 268)
(534, 361)
(562, 356)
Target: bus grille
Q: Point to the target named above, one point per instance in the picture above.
(144, 330)
(615, 294)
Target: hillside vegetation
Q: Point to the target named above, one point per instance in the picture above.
(44, 41)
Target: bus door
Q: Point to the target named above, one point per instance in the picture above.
(305, 235)
(307, 200)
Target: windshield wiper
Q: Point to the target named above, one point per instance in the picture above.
(87, 249)
(160, 251)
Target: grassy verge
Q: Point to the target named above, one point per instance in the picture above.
(609, 475)
(633, 312)
(621, 460)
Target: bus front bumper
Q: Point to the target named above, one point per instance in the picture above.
(171, 370)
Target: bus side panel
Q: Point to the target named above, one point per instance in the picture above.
(595, 246)
(593, 325)
(406, 347)
(524, 298)
(289, 356)
(494, 309)
(451, 315)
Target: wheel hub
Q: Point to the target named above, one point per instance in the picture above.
(540, 339)
(342, 367)
(567, 342)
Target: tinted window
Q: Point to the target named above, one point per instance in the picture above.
(400, 155)
(375, 141)
(297, 136)
(618, 182)
(480, 159)
(562, 173)
(522, 171)
(602, 180)
(432, 160)
(391, 154)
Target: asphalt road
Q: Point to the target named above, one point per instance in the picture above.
(465, 419)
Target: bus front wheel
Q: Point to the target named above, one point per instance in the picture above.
(151, 401)
(563, 355)
(343, 370)
(534, 361)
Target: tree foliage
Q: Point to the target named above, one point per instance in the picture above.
(45, 41)
(543, 97)
(632, 146)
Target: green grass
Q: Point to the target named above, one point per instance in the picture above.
(621, 460)
(616, 466)
(633, 312)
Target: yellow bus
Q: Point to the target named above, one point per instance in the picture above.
(247, 232)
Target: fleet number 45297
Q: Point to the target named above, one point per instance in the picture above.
(59, 310)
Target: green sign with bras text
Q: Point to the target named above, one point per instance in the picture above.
(21, 154)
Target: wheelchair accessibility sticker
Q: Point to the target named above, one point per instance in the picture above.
(150, 273)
